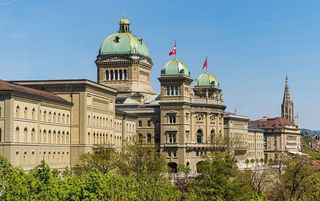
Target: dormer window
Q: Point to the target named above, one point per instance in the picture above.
(116, 39)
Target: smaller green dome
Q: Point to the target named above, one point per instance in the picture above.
(207, 79)
(175, 67)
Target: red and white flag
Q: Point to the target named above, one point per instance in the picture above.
(174, 50)
(205, 64)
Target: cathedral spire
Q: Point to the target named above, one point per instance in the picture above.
(287, 105)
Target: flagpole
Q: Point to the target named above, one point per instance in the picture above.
(207, 64)
(175, 45)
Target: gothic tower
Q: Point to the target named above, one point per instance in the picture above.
(124, 63)
(287, 104)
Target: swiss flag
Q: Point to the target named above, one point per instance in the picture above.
(205, 64)
(174, 50)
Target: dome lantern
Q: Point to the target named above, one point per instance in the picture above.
(124, 25)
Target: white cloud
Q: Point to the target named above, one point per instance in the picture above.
(7, 2)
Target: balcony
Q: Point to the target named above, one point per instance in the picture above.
(206, 146)
(207, 101)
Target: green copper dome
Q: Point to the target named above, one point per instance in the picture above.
(207, 79)
(124, 42)
(175, 67)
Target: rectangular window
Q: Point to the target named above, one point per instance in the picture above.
(172, 118)
(172, 137)
(140, 123)
(177, 90)
(173, 90)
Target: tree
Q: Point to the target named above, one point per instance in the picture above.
(295, 181)
(311, 188)
(13, 182)
(43, 185)
(103, 159)
(138, 158)
(220, 179)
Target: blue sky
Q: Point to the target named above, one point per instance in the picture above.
(251, 44)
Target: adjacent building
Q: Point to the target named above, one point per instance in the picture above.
(34, 126)
(281, 134)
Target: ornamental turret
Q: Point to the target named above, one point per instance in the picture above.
(175, 81)
(207, 86)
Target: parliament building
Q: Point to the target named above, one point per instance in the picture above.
(58, 120)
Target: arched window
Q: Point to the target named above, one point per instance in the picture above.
(68, 119)
(63, 118)
(94, 138)
(49, 136)
(18, 112)
(44, 116)
(63, 138)
(120, 75)
(125, 75)
(17, 134)
(39, 136)
(212, 135)
(24, 157)
(89, 138)
(58, 138)
(173, 167)
(67, 138)
(107, 75)
(25, 133)
(33, 137)
(199, 136)
(54, 119)
(54, 137)
(111, 74)
(17, 158)
(88, 119)
(26, 113)
(49, 117)
(1, 138)
(149, 138)
(116, 75)
(44, 136)
(33, 114)
(59, 118)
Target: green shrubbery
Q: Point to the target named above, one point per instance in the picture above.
(139, 173)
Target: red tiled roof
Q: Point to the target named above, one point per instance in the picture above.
(8, 86)
(277, 122)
